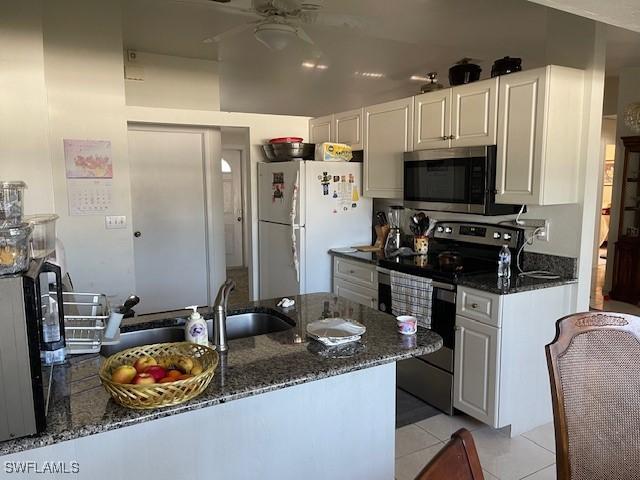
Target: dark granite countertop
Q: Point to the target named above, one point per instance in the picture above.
(366, 257)
(487, 282)
(80, 406)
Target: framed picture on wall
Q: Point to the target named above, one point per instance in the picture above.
(608, 173)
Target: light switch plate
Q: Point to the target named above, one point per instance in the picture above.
(115, 221)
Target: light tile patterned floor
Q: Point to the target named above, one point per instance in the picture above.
(529, 456)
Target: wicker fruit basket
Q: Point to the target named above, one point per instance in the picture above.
(147, 397)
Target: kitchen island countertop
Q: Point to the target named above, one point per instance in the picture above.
(81, 407)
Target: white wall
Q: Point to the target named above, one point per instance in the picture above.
(261, 128)
(628, 92)
(578, 42)
(564, 236)
(174, 82)
(62, 77)
(610, 105)
(85, 89)
(24, 145)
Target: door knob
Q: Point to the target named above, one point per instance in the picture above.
(137, 234)
(239, 219)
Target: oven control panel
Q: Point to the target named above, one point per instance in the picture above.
(480, 233)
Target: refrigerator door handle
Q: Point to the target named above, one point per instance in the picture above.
(294, 227)
(294, 250)
(294, 199)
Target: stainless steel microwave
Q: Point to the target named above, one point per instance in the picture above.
(459, 179)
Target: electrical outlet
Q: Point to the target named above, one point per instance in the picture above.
(543, 235)
(115, 221)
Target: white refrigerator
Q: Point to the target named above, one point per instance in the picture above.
(306, 208)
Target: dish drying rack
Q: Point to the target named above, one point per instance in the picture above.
(85, 319)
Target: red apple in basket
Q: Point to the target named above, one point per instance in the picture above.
(143, 363)
(156, 371)
(144, 379)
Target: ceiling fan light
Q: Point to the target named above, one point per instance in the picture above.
(275, 36)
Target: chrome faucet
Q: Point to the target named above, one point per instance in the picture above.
(220, 315)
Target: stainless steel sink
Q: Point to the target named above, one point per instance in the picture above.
(241, 325)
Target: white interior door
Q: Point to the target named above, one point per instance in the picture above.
(232, 195)
(168, 218)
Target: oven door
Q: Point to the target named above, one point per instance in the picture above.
(384, 290)
(430, 377)
(453, 180)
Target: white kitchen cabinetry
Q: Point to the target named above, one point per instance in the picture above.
(355, 293)
(348, 128)
(388, 133)
(477, 354)
(432, 124)
(457, 117)
(474, 110)
(539, 125)
(344, 127)
(355, 281)
(500, 368)
(321, 129)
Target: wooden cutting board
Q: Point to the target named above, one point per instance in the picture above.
(367, 248)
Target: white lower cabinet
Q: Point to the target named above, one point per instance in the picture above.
(355, 281)
(356, 293)
(477, 362)
(500, 372)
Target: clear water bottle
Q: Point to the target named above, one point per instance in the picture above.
(504, 262)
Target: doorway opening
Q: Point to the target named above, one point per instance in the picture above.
(604, 269)
(233, 164)
(598, 289)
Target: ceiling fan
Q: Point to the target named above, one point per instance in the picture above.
(278, 22)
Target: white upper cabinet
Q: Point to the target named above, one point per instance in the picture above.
(344, 127)
(457, 117)
(474, 110)
(388, 133)
(539, 125)
(432, 125)
(321, 129)
(348, 128)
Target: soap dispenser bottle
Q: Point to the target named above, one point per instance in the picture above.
(196, 329)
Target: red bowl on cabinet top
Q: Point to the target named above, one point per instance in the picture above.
(286, 140)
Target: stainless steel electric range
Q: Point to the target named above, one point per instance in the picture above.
(430, 377)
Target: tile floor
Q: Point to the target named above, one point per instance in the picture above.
(240, 296)
(530, 456)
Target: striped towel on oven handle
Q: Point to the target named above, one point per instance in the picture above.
(411, 295)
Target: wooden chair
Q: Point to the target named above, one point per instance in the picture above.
(458, 460)
(594, 367)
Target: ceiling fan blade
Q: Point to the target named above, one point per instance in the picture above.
(302, 35)
(233, 31)
(247, 11)
(336, 20)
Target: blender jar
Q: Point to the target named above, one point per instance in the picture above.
(11, 202)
